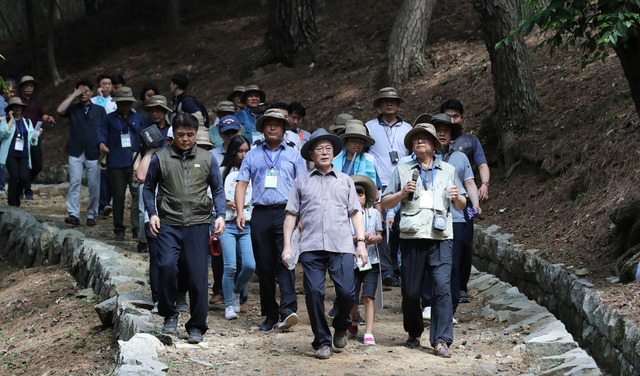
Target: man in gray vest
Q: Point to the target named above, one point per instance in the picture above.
(182, 174)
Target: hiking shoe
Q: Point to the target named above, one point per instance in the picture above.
(332, 312)
(267, 325)
(288, 321)
(72, 220)
(181, 302)
(412, 342)
(426, 313)
(352, 330)
(91, 222)
(324, 352)
(369, 340)
(215, 299)
(340, 339)
(442, 350)
(170, 325)
(464, 297)
(195, 336)
(244, 308)
(230, 313)
(235, 298)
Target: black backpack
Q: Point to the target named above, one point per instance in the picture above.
(200, 106)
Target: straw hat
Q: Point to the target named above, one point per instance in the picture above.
(356, 129)
(272, 113)
(422, 128)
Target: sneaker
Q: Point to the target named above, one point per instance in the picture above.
(288, 321)
(107, 210)
(361, 320)
(170, 325)
(267, 325)
(230, 313)
(324, 352)
(340, 339)
(215, 299)
(29, 198)
(352, 330)
(72, 220)
(91, 222)
(155, 308)
(455, 321)
(332, 312)
(412, 342)
(195, 336)
(426, 313)
(369, 340)
(181, 302)
(442, 350)
(235, 298)
(464, 297)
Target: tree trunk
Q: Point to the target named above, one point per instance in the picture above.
(514, 86)
(408, 37)
(629, 55)
(33, 39)
(292, 29)
(51, 56)
(172, 16)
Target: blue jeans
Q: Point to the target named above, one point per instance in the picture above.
(76, 166)
(231, 240)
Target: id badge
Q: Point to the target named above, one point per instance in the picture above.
(125, 140)
(426, 199)
(19, 144)
(271, 179)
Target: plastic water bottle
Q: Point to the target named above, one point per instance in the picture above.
(290, 261)
(449, 185)
(359, 262)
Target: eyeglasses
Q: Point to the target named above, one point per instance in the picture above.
(322, 149)
(417, 139)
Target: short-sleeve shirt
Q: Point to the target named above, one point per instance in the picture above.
(324, 204)
(285, 161)
(471, 147)
(372, 224)
(388, 139)
(463, 173)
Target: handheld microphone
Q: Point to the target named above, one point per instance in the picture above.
(414, 177)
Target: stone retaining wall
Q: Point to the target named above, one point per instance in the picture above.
(611, 339)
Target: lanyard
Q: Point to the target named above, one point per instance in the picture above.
(394, 132)
(120, 124)
(353, 159)
(422, 175)
(20, 123)
(300, 133)
(271, 163)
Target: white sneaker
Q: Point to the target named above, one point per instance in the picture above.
(155, 308)
(455, 322)
(236, 302)
(288, 322)
(229, 313)
(426, 313)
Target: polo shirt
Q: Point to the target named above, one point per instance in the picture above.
(83, 130)
(387, 139)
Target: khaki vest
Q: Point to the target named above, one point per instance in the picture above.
(417, 223)
(182, 192)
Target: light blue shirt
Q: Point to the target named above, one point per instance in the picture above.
(463, 172)
(388, 139)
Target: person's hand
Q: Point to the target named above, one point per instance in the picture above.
(390, 221)
(77, 92)
(100, 91)
(48, 118)
(231, 205)
(483, 193)
(453, 191)
(361, 253)
(285, 252)
(11, 115)
(218, 227)
(154, 225)
(240, 219)
(411, 186)
(104, 149)
(478, 210)
(369, 238)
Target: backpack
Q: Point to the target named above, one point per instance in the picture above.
(200, 106)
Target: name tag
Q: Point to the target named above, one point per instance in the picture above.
(271, 179)
(19, 144)
(426, 199)
(125, 140)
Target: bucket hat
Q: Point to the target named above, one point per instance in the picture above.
(272, 113)
(319, 135)
(202, 139)
(444, 119)
(158, 101)
(387, 93)
(225, 106)
(369, 188)
(356, 129)
(341, 121)
(15, 101)
(422, 128)
(124, 94)
(26, 79)
(238, 90)
(253, 89)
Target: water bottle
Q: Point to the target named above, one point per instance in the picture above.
(290, 261)
(449, 185)
(359, 262)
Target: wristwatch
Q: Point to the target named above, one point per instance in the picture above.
(360, 240)
(485, 183)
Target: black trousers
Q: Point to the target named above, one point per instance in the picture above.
(188, 246)
(36, 165)
(268, 241)
(19, 179)
(466, 250)
(340, 266)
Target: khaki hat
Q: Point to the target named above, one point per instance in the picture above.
(202, 139)
(253, 89)
(387, 93)
(370, 190)
(272, 113)
(26, 79)
(319, 135)
(341, 121)
(15, 101)
(199, 117)
(356, 129)
(158, 101)
(238, 90)
(422, 128)
(124, 94)
(225, 106)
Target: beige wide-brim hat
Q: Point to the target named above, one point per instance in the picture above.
(369, 188)
(225, 106)
(238, 90)
(387, 93)
(26, 79)
(158, 101)
(319, 135)
(422, 128)
(356, 129)
(253, 89)
(272, 113)
(202, 139)
(124, 94)
(341, 122)
(15, 101)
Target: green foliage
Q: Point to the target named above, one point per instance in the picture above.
(590, 24)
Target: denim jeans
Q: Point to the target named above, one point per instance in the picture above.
(230, 240)
(76, 166)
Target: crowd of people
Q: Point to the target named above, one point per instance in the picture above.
(251, 191)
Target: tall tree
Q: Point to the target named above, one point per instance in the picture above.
(292, 30)
(33, 37)
(408, 37)
(513, 83)
(51, 55)
(172, 16)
